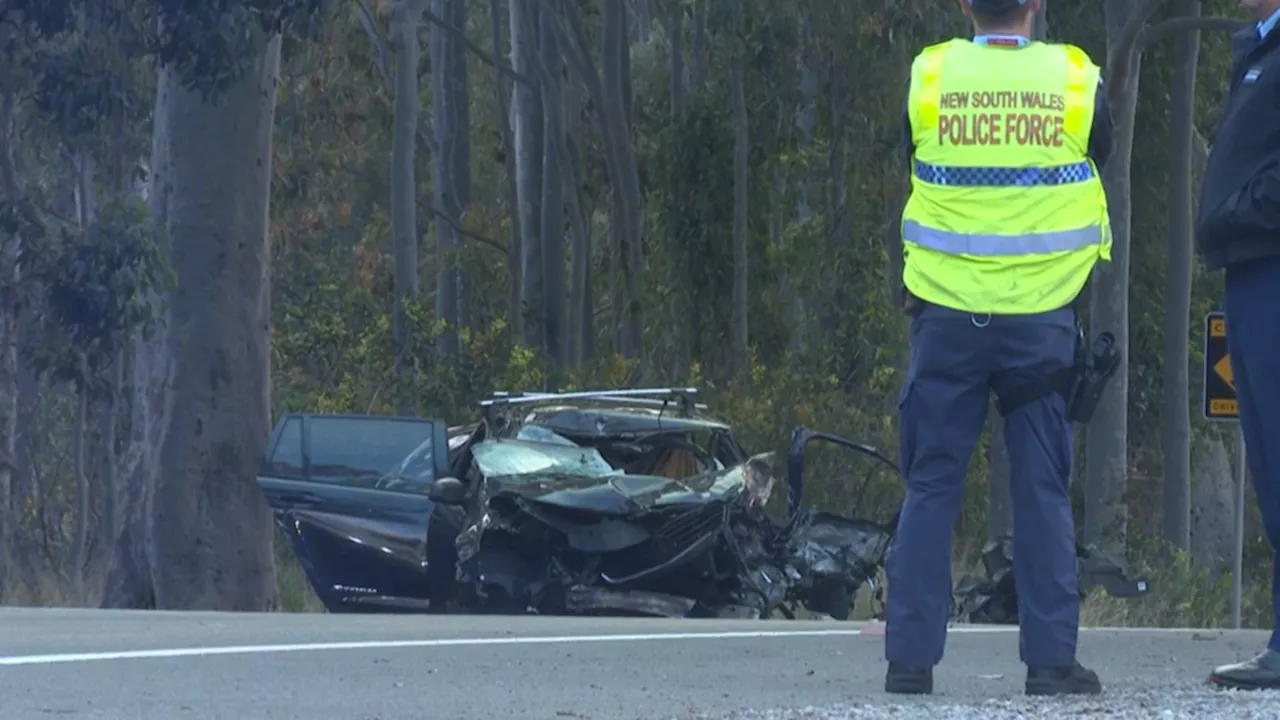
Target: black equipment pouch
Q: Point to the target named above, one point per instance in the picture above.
(1081, 384)
(1098, 367)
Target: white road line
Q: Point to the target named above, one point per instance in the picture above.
(54, 659)
(393, 644)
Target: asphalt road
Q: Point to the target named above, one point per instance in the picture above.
(213, 666)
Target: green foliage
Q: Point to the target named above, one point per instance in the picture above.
(99, 286)
(213, 43)
(47, 17)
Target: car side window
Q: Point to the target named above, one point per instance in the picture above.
(286, 456)
(373, 453)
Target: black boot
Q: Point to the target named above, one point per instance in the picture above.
(1073, 679)
(1261, 672)
(908, 679)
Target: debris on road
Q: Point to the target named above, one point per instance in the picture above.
(1173, 702)
(992, 597)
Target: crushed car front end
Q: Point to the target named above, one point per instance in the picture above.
(562, 521)
(553, 542)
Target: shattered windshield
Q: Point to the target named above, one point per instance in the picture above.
(504, 458)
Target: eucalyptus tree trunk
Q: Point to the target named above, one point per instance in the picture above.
(515, 318)
(555, 321)
(10, 275)
(1107, 435)
(1176, 415)
(741, 337)
(613, 91)
(404, 207)
(452, 181)
(527, 121)
(211, 531)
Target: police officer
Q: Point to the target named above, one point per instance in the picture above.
(1006, 219)
(1238, 231)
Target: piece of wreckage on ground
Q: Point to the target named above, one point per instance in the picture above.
(991, 598)
(620, 502)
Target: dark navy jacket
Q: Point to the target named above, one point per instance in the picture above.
(1239, 211)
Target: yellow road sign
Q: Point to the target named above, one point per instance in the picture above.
(1223, 369)
(1219, 383)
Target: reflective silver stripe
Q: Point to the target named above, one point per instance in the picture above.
(984, 244)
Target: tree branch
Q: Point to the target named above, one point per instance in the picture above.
(11, 179)
(1154, 33)
(480, 52)
(1120, 56)
(457, 226)
(572, 41)
(1199, 151)
(379, 44)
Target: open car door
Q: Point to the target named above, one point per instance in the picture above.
(350, 493)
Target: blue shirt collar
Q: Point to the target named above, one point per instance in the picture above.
(1022, 42)
(1265, 26)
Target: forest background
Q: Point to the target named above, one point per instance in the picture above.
(217, 212)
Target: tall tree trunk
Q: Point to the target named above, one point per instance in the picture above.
(110, 521)
(701, 45)
(615, 91)
(644, 19)
(800, 299)
(452, 166)
(582, 293)
(129, 581)
(461, 87)
(87, 210)
(553, 245)
(740, 170)
(80, 532)
(404, 205)
(23, 485)
(10, 254)
(528, 137)
(515, 316)
(1107, 436)
(831, 290)
(211, 528)
(1176, 438)
(671, 15)
(581, 308)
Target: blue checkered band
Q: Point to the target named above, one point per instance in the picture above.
(1003, 176)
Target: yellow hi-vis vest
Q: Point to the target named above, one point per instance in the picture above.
(1007, 214)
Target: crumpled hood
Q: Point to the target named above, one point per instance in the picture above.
(578, 478)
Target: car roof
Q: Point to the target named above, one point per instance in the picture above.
(574, 420)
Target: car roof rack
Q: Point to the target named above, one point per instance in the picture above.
(635, 396)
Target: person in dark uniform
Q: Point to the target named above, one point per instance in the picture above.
(1006, 220)
(1238, 231)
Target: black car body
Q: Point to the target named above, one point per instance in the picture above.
(613, 502)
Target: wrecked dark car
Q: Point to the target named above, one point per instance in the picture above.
(626, 502)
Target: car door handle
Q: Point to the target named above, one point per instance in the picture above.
(299, 498)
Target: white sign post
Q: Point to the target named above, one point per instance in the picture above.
(1237, 563)
(1220, 404)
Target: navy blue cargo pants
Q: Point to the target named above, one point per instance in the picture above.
(1253, 319)
(957, 359)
